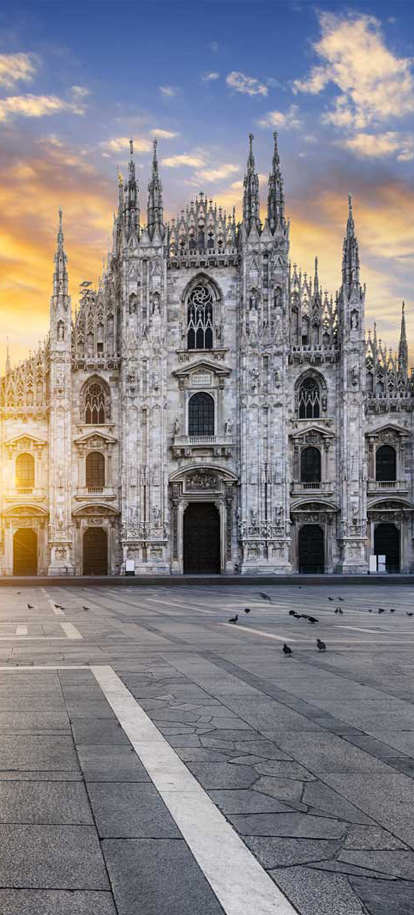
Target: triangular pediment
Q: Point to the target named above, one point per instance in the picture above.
(202, 365)
(25, 440)
(388, 427)
(312, 430)
(93, 437)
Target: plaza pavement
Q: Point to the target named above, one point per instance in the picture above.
(156, 759)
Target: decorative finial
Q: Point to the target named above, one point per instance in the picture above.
(131, 148)
(350, 201)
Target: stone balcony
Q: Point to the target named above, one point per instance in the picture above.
(304, 489)
(392, 486)
(202, 446)
(23, 494)
(98, 493)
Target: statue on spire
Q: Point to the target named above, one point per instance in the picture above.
(251, 202)
(60, 276)
(276, 199)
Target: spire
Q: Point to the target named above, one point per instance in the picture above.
(60, 276)
(316, 278)
(155, 205)
(251, 202)
(350, 255)
(403, 348)
(7, 357)
(275, 199)
(131, 195)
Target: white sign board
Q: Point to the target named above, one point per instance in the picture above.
(201, 379)
(372, 564)
(130, 566)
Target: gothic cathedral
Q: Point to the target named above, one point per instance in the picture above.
(208, 409)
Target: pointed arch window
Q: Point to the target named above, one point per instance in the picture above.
(386, 464)
(201, 414)
(25, 472)
(309, 399)
(96, 402)
(95, 471)
(200, 318)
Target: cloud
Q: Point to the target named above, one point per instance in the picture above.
(217, 174)
(183, 159)
(214, 46)
(367, 145)
(288, 120)
(210, 77)
(164, 134)
(246, 85)
(375, 85)
(17, 67)
(168, 91)
(37, 106)
(121, 144)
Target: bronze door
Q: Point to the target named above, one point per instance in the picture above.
(387, 543)
(25, 552)
(95, 551)
(201, 539)
(311, 549)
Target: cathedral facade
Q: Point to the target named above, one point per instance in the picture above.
(207, 409)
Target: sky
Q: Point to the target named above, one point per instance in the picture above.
(78, 79)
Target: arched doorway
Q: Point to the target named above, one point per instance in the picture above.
(95, 551)
(387, 543)
(311, 549)
(201, 539)
(25, 552)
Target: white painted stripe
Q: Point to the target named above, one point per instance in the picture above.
(21, 630)
(71, 631)
(56, 610)
(170, 603)
(235, 876)
(18, 667)
(35, 638)
(354, 629)
(266, 635)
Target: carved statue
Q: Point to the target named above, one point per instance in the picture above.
(176, 427)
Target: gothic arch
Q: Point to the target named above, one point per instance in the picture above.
(95, 401)
(321, 399)
(201, 312)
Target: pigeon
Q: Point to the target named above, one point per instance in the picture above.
(287, 651)
(18, 592)
(292, 612)
(312, 619)
(382, 610)
(330, 598)
(233, 619)
(370, 610)
(321, 645)
(338, 610)
(299, 586)
(87, 608)
(393, 610)
(408, 614)
(246, 609)
(341, 598)
(265, 596)
(30, 607)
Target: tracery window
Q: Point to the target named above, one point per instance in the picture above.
(25, 471)
(200, 318)
(95, 470)
(310, 465)
(201, 414)
(386, 464)
(309, 399)
(95, 402)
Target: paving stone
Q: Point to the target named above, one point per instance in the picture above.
(342, 867)
(244, 802)
(403, 764)
(51, 857)
(277, 852)
(387, 797)
(185, 740)
(13, 722)
(326, 752)
(173, 715)
(111, 764)
(371, 745)
(174, 729)
(320, 796)
(51, 902)
(130, 811)
(264, 748)
(284, 788)
(245, 760)
(383, 897)
(222, 775)
(288, 824)
(43, 802)
(240, 735)
(286, 769)
(371, 837)
(394, 863)
(66, 775)
(193, 754)
(317, 893)
(154, 877)
(218, 743)
(38, 752)
(89, 710)
(88, 731)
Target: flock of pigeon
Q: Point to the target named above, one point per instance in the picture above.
(321, 646)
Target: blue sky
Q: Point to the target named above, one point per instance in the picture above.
(77, 79)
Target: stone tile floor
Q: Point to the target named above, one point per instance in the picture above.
(309, 758)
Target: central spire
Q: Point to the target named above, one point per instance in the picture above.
(251, 202)
(60, 276)
(155, 217)
(131, 195)
(350, 254)
(276, 199)
(403, 347)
